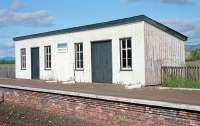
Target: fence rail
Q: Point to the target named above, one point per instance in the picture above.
(184, 73)
(7, 70)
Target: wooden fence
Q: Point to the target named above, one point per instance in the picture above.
(180, 73)
(7, 70)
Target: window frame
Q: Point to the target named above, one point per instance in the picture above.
(47, 57)
(23, 58)
(79, 52)
(121, 55)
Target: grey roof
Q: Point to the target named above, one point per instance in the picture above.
(107, 24)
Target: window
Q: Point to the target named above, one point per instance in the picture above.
(23, 59)
(47, 57)
(126, 53)
(79, 56)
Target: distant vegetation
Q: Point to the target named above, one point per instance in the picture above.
(193, 63)
(7, 61)
(194, 57)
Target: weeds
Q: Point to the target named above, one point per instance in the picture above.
(180, 83)
(11, 115)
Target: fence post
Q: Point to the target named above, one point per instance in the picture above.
(191, 73)
(7, 72)
(161, 75)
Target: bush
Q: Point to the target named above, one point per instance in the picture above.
(194, 55)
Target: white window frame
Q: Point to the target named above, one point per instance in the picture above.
(47, 57)
(23, 58)
(79, 64)
(127, 67)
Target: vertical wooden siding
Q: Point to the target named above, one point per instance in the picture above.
(161, 49)
(7, 70)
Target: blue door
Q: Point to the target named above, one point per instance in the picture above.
(35, 69)
(101, 62)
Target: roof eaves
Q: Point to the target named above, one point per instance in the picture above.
(165, 28)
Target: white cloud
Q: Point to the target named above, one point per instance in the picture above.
(3, 36)
(16, 5)
(6, 45)
(189, 27)
(130, 1)
(188, 2)
(12, 16)
(6, 48)
(177, 2)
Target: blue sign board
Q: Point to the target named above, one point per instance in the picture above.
(62, 45)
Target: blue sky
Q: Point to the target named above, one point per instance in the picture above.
(22, 17)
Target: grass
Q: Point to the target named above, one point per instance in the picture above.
(11, 115)
(181, 84)
(193, 63)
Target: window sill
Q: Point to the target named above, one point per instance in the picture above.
(124, 69)
(79, 69)
(23, 69)
(48, 69)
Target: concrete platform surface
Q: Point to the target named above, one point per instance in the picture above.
(148, 93)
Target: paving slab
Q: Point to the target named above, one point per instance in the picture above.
(191, 97)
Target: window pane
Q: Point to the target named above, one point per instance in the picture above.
(123, 44)
(81, 47)
(129, 53)
(81, 56)
(123, 53)
(22, 52)
(49, 61)
(126, 53)
(77, 47)
(129, 63)
(47, 56)
(49, 49)
(129, 43)
(81, 63)
(124, 63)
(46, 64)
(23, 58)
(78, 64)
(77, 56)
(24, 61)
(50, 64)
(46, 50)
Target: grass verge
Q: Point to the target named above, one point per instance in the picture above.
(193, 63)
(181, 84)
(11, 115)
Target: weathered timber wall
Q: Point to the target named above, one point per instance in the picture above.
(161, 49)
(104, 111)
(7, 70)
